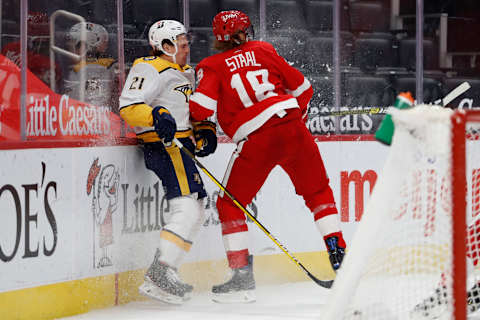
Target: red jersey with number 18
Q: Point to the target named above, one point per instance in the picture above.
(246, 86)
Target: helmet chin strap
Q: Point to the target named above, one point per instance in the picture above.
(172, 54)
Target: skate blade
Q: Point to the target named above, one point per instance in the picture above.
(435, 313)
(187, 296)
(475, 315)
(246, 296)
(150, 290)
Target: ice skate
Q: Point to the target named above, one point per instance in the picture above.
(435, 306)
(162, 283)
(473, 301)
(335, 252)
(432, 307)
(240, 288)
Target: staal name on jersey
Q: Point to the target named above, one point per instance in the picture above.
(242, 60)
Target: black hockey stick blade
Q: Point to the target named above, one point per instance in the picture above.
(322, 283)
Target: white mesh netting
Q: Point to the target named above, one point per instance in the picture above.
(399, 263)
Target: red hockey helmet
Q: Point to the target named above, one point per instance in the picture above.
(227, 23)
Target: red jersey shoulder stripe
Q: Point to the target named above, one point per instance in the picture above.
(301, 89)
(204, 101)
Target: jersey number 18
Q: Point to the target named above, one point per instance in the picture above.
(258, 80)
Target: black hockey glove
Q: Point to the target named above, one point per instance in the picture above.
(206, 138)
(165, 125)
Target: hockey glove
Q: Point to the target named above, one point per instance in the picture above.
(206, 138)
(164, 124)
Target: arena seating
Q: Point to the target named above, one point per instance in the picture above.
(369, 16)
(373, 50)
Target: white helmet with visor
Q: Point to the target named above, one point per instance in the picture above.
(165, 30)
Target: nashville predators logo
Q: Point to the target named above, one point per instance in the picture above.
(186, 90)
(196, 178)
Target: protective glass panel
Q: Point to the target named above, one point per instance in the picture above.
(10, 61)
(72, 77)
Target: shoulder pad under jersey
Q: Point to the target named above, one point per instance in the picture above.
(156, 62)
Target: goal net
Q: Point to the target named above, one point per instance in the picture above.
(410, 257)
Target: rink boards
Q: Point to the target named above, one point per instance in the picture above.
(80, 225)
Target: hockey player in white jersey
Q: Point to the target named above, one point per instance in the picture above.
(99, 86)
(154, 101)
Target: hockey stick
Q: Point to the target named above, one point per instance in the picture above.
(452, 95)
(370, 111)
(322, 283)
(455, 93)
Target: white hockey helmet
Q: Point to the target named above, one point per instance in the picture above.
(165, 30)
(96, 36)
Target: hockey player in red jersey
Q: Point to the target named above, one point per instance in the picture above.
(261, 103)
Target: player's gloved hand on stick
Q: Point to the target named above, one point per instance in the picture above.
(164, 123)
(206, 138)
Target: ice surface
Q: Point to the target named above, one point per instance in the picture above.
(301, 300)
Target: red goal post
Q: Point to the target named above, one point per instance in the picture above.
(460, 136)
(411, 243)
